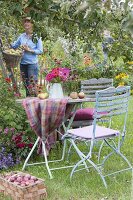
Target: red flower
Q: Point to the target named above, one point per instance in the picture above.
(14, 86)
(17, 138)
(8, 80)
(21, 145)
(30, 145)
(55, 71)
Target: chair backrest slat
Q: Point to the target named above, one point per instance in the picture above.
(109, 109)
(95, 81)
(85, 87)
(115, 103)
(118, 102)
(89, 87)
(110, 114)
(110, 97)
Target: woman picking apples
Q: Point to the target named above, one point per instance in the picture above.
(32, 46)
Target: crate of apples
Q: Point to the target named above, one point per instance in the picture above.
(19, 185)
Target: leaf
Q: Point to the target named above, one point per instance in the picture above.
(12, 124)
(6, 117)
(65, 6)
(19, 127)
(82, 7)
(126, 4)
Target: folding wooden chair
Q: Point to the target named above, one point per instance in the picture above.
(111, 104)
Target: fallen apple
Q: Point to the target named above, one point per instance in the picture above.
(74, 95)
(81, 95)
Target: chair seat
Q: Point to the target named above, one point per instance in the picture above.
(87, 132)
(84, 114)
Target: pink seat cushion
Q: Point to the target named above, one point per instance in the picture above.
(87, 132)
(84, 114)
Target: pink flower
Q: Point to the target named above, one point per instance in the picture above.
(12, 129)
(17, 95)
(64, 73)
(30, 86)
(6, 130)
(50, 77)
(58, 74)
(64, 78)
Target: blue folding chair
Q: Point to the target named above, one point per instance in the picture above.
(111, 104)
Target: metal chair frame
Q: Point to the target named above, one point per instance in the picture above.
(110, 103)
(89, 87)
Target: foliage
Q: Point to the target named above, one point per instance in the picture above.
(14, 142)
(77, 26)
(15, 145)
(11, 113)
(84, 20)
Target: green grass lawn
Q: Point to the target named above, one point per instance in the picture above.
(88, 186)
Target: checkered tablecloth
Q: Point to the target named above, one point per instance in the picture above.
(45, 116)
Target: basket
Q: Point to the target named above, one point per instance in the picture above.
(35, 191)
(11, 60)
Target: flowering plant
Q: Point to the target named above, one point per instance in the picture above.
(14, 146)
(6, 159)
(122, 79)
(33, 88)
(58, 74)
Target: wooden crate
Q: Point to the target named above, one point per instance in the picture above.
(34, 191)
